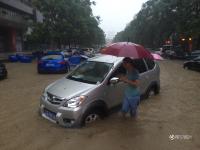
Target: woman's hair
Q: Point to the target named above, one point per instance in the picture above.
(127, 60)
(130, 61)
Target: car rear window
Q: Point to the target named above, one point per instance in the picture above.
(52, 57)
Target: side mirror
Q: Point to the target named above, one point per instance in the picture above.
(114, 80)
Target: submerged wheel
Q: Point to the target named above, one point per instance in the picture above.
(153, 90)
(90, 117)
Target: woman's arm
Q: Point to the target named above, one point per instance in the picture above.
(131, 82)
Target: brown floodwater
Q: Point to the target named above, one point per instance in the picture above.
(175, 111)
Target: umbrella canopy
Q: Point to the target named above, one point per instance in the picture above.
(157, 56)
(127, 49)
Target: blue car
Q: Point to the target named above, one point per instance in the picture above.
(53, 64)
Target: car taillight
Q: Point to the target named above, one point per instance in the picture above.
(62, 62)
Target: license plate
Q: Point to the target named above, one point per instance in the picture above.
(50, 65)
(50, 114)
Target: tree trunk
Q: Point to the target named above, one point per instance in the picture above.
(69, 44)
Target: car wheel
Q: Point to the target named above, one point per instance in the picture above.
(91, 117)
(153, 90)
(147, 94)
(156, 90)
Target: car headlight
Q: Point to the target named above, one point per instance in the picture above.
(74, 102)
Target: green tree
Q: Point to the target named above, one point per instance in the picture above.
(159, 20)
(67, 22)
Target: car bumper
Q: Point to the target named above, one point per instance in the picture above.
(63, 116)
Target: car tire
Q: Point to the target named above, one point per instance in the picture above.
(153, 90)
(91, 116)
(149, 93)
(156, 90)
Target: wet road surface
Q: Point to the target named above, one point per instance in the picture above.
(175, 112)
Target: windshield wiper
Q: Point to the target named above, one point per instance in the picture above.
(80, 80)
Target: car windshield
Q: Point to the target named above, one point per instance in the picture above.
(52, 57)
(91, 72)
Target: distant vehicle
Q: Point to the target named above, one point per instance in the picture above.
(159, 52)
(3, 71)
(38, 54)
(88, 92)
(167, 47)
(88, 51)
(179, 54)
(166, 51)
(55, 52)
(67, 53)
(170, 54)
(53, 64)
(192, 64)
(173, 52)
(193, 55)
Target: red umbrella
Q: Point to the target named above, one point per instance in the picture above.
(157, 56)
(127, 49)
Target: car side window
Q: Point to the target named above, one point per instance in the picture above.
(150, 63)
(120, 70)
(140, 65)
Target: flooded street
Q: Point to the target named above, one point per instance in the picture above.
(175, 112)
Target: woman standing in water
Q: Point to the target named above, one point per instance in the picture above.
(132, 94)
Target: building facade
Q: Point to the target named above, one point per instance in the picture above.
(15, 15)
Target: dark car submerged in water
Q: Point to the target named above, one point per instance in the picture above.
(193, 64)
(3, 71)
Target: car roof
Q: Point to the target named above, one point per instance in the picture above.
(106, 58)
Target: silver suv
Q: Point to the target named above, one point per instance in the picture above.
(88, 92)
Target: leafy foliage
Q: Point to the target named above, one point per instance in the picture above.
(67, 22)
(159, 20)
